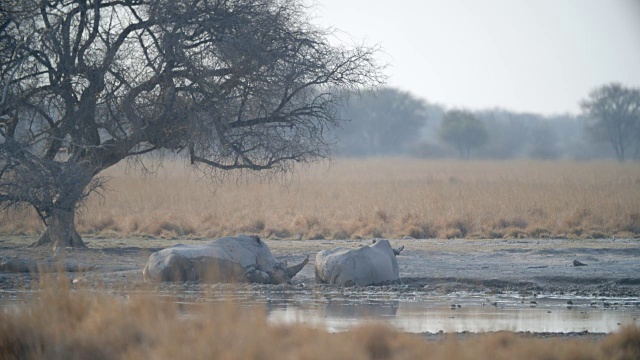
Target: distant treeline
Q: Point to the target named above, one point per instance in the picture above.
(393, 122)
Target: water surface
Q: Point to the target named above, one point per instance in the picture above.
(338, 310)
(459, 312)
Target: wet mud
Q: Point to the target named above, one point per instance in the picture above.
(444, 283)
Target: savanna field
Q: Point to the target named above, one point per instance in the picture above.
(343, 199)
(362, 198)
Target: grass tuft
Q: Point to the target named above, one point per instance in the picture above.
(63, 323)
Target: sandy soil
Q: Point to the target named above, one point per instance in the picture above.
(486, 266)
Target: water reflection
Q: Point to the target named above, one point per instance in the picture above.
(472, 313)
(336, 310)
(335, 314)
(478, 319)
(377, 309)
(418, 318)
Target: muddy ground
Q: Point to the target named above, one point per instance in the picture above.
(527, 267)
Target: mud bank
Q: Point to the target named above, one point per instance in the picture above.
(437, 276)
(612, 266)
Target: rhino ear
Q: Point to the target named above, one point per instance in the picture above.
(397, 251)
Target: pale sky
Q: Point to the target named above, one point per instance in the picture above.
(540, 56)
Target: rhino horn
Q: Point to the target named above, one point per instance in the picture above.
(293, 270)
(397, 251)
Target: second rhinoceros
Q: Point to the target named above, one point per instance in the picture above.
(228, 259)
(368, 265)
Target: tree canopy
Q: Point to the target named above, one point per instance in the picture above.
(614, 116)
(461, 129)
(233, 84)
(382, 122)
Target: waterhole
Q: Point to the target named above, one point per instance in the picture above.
(338, 310)
(432, 313)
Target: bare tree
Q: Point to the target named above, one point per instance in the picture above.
(234, 84)
(614, 114)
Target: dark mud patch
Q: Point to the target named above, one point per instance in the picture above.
(628, 281)
(590, 251)
(469, 284)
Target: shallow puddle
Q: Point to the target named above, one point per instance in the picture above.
(460, 313)
(339, 310)
(418, 318)
(432, 313)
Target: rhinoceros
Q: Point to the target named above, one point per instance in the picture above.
(228, 259)
(373, 264)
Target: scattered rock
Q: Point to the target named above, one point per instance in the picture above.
(578, 263)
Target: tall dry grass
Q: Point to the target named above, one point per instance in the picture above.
(355, 198)
(66, 324)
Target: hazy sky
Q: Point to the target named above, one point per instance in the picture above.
(539, 56)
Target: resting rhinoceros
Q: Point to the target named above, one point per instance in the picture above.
(228, 259)
(368, 265)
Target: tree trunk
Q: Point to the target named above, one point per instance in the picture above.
(61, 231)
(619, 148)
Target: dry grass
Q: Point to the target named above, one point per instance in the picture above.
(69, 324)
(353, 198)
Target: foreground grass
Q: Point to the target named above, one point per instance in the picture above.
(67, 324)
(355, 198)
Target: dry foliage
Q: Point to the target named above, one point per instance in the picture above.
(356, 198)
(79, 324)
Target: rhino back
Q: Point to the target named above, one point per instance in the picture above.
(246, 250)
(192, 265)
(367, 265)
(326, 263)
(225, 260)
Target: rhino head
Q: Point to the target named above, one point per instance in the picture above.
(281, 273)
(396, 251)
